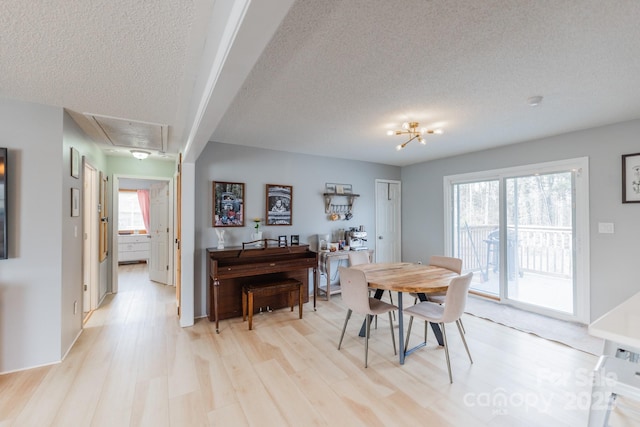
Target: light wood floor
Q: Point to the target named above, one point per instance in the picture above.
(134, 366)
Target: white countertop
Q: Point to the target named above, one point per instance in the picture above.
(621, 325)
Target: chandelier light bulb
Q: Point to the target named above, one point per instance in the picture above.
(413, 131)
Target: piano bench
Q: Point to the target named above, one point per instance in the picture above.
(269, 289)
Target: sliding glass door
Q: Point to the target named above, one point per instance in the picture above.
(540, 234)
(475, 231)
(524, 233)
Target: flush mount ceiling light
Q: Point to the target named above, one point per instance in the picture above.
(139, 154)
(413, 130)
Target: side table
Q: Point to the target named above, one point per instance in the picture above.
(324, 266)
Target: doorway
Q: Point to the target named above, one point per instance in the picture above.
(90, 221)
(524, 233)
(388, 231)
(158, 233)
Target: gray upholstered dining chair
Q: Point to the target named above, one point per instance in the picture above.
(362, 257)
(355, 294)
(451, 311)
(358, 257)
(450, 263)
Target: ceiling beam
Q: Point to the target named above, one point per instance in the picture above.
(228, 58)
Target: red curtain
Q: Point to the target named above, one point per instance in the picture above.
(143, 199)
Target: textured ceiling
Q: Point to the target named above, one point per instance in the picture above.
(334, 76)
(338, 74)
(75, 52)
(123, 59)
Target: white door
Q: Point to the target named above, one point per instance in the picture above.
(388, 221)
(90, 245)
(159, 232)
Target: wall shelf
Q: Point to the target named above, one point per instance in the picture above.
(343, 203)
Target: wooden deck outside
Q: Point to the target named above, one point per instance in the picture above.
(555, 293)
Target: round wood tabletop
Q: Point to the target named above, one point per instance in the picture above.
(407, 277)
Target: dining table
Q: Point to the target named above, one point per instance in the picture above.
(406, 277)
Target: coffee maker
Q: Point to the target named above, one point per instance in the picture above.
(356, 239)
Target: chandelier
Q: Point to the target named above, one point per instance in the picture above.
(413, 130)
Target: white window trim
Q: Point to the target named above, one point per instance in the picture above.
(581, 166)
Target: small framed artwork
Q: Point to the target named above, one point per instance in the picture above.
(75, 163)
(333, 188)
(75, 202)
(228, 204)
(282, 241)
(295, 239)
(631, 178)
(279, 206)
(329, 188)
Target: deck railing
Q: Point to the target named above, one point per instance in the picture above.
(542, 250)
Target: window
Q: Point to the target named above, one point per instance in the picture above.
(129, 213)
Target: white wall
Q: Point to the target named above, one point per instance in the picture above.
(257, 167)
(614, 257)
(30, 280)
(187, 243)
(72, 230)
(38, 286)
(130, 166)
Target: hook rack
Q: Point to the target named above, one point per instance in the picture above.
(339, 208)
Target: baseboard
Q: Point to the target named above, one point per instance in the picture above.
(30, 367)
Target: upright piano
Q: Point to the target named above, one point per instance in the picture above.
(230, 268)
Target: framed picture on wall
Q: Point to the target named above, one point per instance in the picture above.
(631, 178)
(228, 204)
(330, 188)
(103, 212)
(279, 206)
(334, 188)
(75, 163)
